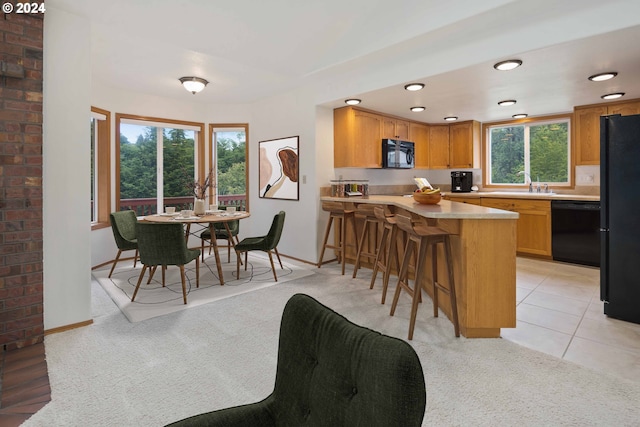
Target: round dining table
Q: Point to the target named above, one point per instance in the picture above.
(208, 218)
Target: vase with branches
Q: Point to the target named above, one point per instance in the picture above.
(199, 189)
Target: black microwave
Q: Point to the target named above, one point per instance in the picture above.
(397, 154)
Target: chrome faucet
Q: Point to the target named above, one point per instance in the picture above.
(546, 188)
(530, 183)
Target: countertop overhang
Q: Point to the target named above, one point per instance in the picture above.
(443, 210)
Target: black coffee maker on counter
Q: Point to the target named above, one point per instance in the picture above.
(461, 181)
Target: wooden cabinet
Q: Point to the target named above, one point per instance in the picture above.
(454, 146)
(534, 224)
(469, 200)
(587, 128)
(357, 138)
(419, 134)
(395, 128)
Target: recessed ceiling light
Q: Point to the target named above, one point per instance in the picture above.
(602, 76)
(613, 95)
(507, 65)
(414, 86)
(352, 101)
(451, 118)
(519, 116)
(507, 102)
(417, 109)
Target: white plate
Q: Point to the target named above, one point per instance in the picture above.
(182, 218)
(170, 214)
(214, 211)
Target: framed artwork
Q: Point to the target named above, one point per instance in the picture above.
(279, 168)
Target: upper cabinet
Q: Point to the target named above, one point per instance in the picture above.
(358, 134)
(587, 128)
(454, 146)
(357, 138)
(419, 134)
(395, 128)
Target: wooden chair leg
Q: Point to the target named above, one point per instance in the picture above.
(273, 268)
(184, 285)
(135, 292)
(197, 273)
(152, 271)
(279, 260)
(115, 261)
(343, 245)
(324, 241)
(379, 255)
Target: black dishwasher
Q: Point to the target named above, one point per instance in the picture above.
(575, 232)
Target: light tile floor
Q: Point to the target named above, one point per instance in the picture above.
(559, 312)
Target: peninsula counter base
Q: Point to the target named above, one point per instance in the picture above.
(483, 244)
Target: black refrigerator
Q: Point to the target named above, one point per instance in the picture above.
(620, 216)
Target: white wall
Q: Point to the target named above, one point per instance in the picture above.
(66, 172)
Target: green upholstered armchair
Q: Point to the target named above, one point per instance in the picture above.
(332, 372)
(265, 243)
(163, 245)
(123, 225)
(221, 234)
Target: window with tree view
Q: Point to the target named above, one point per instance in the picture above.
(231, 152)
(156, 166)
(537, 152)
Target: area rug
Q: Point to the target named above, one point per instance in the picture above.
(155, 300)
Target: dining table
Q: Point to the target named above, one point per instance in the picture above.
(210, 218)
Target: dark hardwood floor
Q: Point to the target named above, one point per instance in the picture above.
(24, 387)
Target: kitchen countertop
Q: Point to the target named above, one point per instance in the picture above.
(524, 195)
(443, 210)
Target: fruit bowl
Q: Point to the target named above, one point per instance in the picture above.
(427, 198)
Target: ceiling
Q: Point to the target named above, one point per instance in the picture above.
(250, 50)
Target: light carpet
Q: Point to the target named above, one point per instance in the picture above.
(154, 300)
(118, 373)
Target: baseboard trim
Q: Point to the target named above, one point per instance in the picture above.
(68, 327)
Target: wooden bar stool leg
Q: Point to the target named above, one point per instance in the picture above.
(452, 286)
(379, 256)
(363, 237)
(343, 235)
(326, 238)
(417, 290)
(391, 256)
(402, 276)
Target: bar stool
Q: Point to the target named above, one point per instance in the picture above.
(366, 210)
(421, 237)
(338, 212)
(385, 254)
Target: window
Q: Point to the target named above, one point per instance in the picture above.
(230, 142)
(100, 123)
(537, 151)
(157, 158)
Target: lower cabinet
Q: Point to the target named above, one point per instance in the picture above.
(464, 200)
(534, 224)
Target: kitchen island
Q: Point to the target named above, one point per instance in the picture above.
(484, 256)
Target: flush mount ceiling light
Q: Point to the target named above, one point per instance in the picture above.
(417, 109)
(519, 116)
(451, 118)
(603, 76)
(193, 84)
(507, 102)
(613, 95)
(414, 86)
(352, 101)
(507, 65)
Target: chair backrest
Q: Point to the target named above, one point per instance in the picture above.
(234, 226)
(123, 225)
(162, 244)
(273, 236)
(332, 372)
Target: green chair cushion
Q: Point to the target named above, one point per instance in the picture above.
(163, 244)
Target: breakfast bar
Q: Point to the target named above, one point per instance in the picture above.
(484, 257)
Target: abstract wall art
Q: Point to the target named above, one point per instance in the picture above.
(279, 168)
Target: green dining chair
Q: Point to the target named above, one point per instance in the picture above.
(221, 234)
(123, 225)
(266, 243)
(164, 245)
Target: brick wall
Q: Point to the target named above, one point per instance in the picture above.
(21, 295)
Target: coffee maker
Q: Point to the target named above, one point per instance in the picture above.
(461, 181)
